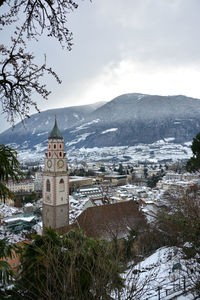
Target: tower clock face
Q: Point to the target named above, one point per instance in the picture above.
(60, 163)
(49, 163)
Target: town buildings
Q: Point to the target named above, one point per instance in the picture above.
(23, 185)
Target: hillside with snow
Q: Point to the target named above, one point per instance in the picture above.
(131, 124)
(163, 275)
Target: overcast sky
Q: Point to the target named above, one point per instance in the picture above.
(124, 46)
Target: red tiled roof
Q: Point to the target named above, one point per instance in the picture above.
(110, 220)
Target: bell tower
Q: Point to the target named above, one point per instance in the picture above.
(55, 187)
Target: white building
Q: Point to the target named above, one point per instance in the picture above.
(25, 185)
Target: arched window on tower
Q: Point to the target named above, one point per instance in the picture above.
(61, 185)
(48, 186)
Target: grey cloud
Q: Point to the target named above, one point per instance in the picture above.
(157, 32)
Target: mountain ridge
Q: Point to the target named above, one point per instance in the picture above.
(126, 120)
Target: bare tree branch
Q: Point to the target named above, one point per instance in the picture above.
(19, 79)
(19, 74)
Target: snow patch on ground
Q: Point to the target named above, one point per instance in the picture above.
(40, 147)
(188, 144)
(158, 272)
(81, 137)
(42, 133)
(170, 139)
(109, 130)
(85, 126)
(140, 97)
(75, 116)
(33, 132)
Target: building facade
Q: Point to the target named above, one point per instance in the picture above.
(25, 185)
(55, 185)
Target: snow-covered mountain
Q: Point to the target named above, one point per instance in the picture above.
(132, 119)
(35, 129)
(127, 120)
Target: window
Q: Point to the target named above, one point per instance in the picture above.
(54, 146)
(60, 146)
(49, 154)
(48, 187)
(61, 185)
(60, 153)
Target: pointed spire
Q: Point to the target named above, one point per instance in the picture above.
(55, 133)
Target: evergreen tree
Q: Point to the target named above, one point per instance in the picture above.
(193, 163)
(145, 172)
(151, 181)
(121, 170)
(70, 266)
(9, 169)
(102, 169)
(6, 273)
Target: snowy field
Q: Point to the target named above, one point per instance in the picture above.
(159, 151)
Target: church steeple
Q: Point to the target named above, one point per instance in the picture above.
(55, 187)
(55, 133)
